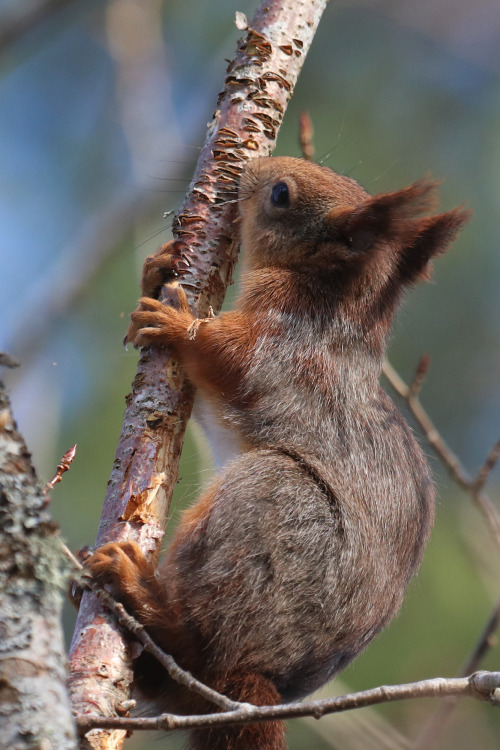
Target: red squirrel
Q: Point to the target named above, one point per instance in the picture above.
(300, 550)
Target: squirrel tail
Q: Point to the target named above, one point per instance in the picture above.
(251, 688)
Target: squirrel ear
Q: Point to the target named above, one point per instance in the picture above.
(393, 217)
(383, 217)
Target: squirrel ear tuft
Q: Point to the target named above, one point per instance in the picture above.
(431, 237)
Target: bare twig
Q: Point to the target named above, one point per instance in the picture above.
(71, 557)
(481, 685)
(176, 673)
(450, 461)
(419, 377)
(487, 468)
(62, 467)
(352, 730)
(486, 640)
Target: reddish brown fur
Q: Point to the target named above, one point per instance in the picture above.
(300, 551)
(250, 688)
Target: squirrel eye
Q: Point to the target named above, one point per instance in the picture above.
(280, 197)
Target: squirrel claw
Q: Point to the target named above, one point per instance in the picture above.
(167, 264)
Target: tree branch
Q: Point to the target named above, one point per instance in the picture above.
(62, 467)
(481, 685)
(249, 113)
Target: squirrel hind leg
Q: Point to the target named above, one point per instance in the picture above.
(250, 688)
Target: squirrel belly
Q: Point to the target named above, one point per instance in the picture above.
(223, 441)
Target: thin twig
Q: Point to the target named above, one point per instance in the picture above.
(450, 461)
(487, 467)
(486, 640)
(352, 730)
(71, 557)
(481, 685)
(419, 377)
(63, 466)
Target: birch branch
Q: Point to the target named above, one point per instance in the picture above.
(250, 109)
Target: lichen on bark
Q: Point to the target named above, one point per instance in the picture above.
(35, 711)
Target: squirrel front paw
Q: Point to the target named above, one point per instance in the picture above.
(167, 264)
(157, 323)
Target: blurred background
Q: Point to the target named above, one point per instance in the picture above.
(103, 110)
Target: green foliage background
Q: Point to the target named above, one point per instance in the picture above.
(91, 129)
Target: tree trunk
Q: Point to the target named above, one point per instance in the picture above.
(35, 711)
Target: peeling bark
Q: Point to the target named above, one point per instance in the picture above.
(35, 711)
(260, 81)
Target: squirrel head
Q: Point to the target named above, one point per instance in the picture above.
(300, 216)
